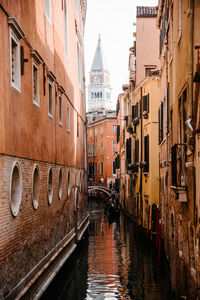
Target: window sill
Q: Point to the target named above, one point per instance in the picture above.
(16, 89)
(36, 104)
(50, 116)
(179, 37)
(60, 124)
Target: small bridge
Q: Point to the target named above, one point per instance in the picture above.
(100, 188)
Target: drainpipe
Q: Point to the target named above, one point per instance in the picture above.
(190, 53)
(190, 100)
(141, 154)
(167, 131)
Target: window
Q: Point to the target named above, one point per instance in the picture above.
(50, 186)
(101, 147)
(68, 184)
(101, 169)
(118, 133)
(77, 125)
(146, 153)
(60, 184)
(36, 187)
(95, 132)
(15, 189)
(145, 105)
(36, 90)
(68, 119)
(15, 62)
(128, 150)
(47, 9)
(114, 168)
(147, 70)
(90, 150)
(114, 146)
(114, 128)
(60, 110)
(50, 99)
(102, 130)
(171, 35)
(80, 72)
(66, 28)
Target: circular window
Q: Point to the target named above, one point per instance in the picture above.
(60, 184)
(36, 187)
(15, 189)
(68, 184)
(50, 186)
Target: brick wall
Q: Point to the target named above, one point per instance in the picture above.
(33, 233)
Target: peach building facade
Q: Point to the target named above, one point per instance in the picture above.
(43, 163)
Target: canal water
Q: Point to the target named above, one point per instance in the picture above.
(113, 261)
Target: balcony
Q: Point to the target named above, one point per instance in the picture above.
(179, 173)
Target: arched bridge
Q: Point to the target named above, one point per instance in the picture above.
(100, 188)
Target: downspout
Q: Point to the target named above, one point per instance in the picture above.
(190, 54)
(141, 155)
(167, 131)
(190, 100)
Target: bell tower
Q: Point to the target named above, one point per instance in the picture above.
(99, 89)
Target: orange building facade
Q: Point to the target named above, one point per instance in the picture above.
(43, 177)
(102, 148)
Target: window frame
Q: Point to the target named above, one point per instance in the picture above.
(68, 118)
(15, 83)
(37, 101)
(50, 83)
(60, 109)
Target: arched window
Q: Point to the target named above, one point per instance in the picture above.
(15, 189)
(50, 186)
(68, 183)
(36, 187)
(60, 184)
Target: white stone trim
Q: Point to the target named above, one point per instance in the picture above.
(35, 196)
(15, 190)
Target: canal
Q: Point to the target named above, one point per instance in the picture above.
(113, 261)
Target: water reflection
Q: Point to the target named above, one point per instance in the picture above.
(113, 262)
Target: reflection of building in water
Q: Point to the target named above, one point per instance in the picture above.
(103, 260)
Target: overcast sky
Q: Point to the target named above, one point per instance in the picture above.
(114, 21)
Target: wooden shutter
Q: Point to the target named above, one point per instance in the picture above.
(146, 153)
(118, 133)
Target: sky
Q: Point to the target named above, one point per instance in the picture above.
(114, 21)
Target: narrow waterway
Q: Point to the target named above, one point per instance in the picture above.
(113, 261)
